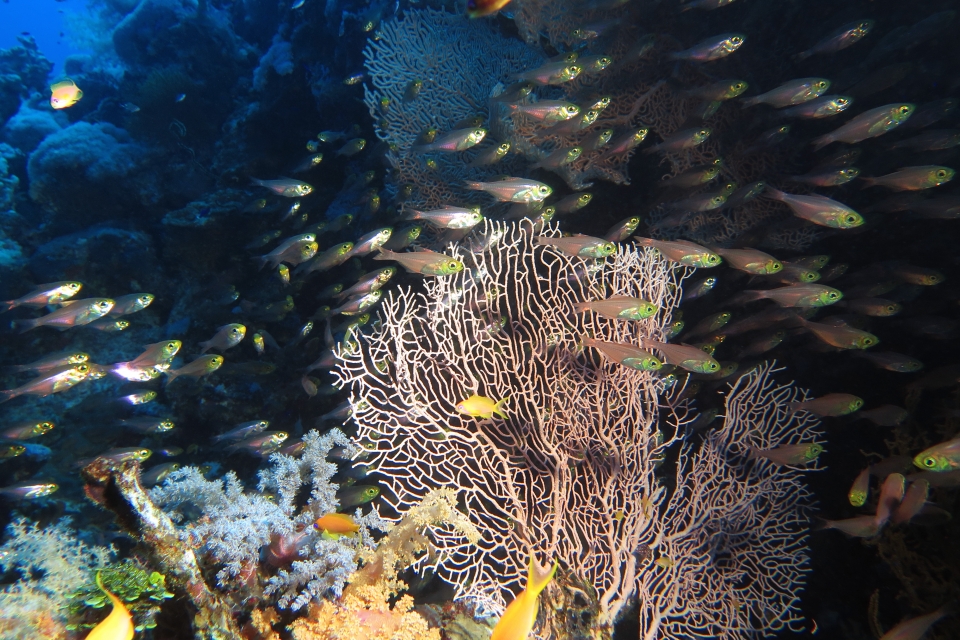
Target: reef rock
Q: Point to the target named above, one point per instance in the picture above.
(28, 128)
(23, 69)
(104, 253)
(92, 171)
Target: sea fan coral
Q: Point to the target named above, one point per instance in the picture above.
(574, 472)
(459, 61)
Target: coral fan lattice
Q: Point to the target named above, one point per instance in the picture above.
(573, 473)
(549, 479)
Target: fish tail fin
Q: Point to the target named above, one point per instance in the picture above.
(821, 524)
(26, 325)
(385, 254)
(750, 295)
(498, 408)
(538, 578)
(476, 186)
(543, 241)
(803, 55)
(869, 182)
(821, 142)
(753, 454)
(256, 181)
(7, 395)
(580, 307)
(171, 376)
(749, 102)
(206, 345)
(413, 214)
(792, 408)
(7, 305)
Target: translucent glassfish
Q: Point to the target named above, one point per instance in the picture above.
(130, 303)
(868, 124)
(226, 337)
(287, 187)
(49, 362)
(425, 262)
(29, 489)
(43, 295)
(580, 245)
(78, 313)
(202, 366)
(791, 93)
(819, 209)
(712, 48)
(789, 454)
(53, 381)
(626, 354)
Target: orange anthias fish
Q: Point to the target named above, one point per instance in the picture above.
(481, 8)
(517, 621)
(64, 94)
(116, 626)
(337, 524)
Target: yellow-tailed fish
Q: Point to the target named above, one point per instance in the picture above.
(482, 407)
(338, 524)
(116, 626)
(517, 621)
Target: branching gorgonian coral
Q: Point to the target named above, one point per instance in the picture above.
(573, 472)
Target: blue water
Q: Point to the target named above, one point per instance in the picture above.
(44, 20)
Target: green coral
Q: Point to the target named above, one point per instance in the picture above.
(141, 591)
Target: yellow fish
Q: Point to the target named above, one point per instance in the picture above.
(64, 94)
(116, 626)
(336, 524)
(517, 621)
(482, 407)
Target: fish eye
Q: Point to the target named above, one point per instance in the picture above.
(704, 132)
(833, 295)
(941, 174)
(736, 39)
(776, 266)
(929, 462)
